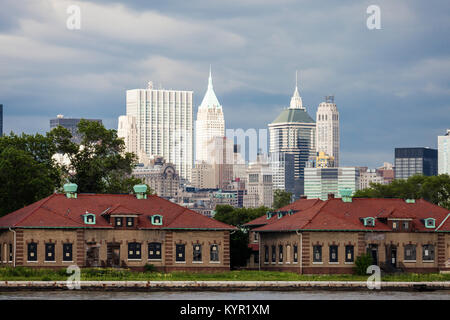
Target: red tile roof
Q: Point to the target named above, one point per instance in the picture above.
(334, 214)
(299, 205)
(59, 211)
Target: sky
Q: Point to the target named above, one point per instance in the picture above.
(391, 85)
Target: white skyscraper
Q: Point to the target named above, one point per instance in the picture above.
(444, 153)
(127, 130)
(164, 121)
(210, 123)
(327, 123)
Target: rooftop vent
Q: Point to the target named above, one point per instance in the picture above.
(70, 189)
(410, 200)
(141, 191)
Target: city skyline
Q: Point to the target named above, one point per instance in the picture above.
(381, 77)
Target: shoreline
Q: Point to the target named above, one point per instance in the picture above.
(7, 286)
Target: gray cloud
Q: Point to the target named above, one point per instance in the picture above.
(391, 85)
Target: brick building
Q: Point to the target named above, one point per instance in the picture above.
(113, 230)
(312, 236)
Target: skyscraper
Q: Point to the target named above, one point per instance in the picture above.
(294, 132)
(327, 122)
(164, 122)
(411, 161)
(70, 124)
(444, 153)
(1, 120)
(210, 122)
(127, 129)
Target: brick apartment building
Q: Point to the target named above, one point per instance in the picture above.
(113, 230)
(312, 236)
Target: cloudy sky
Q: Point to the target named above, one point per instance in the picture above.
(392, 86)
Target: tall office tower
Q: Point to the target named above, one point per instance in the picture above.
(411, 161)
(327, 122)
(127, 129)
(444, 153)
(1, 120)
(294, 132)
(70, 124)
(210, 122)
(282, 167)
(164, 120)
(320, 182)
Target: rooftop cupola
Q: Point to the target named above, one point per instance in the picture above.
(346, 194)
(141, 191)
(70, 189)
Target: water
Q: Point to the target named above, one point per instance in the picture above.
(238, 295)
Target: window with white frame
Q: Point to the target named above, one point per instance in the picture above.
(154, 250)
(317, 253)
(349, 253)
(274, 254)
(67, 252)
(32, 251)
(333, 253)
(134, 251)
(280, 253)
(49, 252)
(214, 253)
(428, 252)
(197, 252)
(410, 252)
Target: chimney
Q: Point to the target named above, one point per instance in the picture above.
(303, 197)
(330, 196)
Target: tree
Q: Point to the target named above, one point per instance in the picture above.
(281, 198)
(435, 189)
(27, 171)
(240, 252)
(99, 164)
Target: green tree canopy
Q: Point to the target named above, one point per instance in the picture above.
(281, 198)
(239, 249)
(99, 164)
(435, 189)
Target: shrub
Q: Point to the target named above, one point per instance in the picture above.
(149, 268)
(362, 263)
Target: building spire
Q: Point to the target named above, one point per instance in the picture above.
(210, 99)
(296, 100)
(210, 85)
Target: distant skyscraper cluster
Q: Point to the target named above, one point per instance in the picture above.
(70, 124)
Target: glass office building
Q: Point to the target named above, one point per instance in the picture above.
(411, 161)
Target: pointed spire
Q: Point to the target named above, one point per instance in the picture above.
(210, 99)
(210, 85)
(296, 100)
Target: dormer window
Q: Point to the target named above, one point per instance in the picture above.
(430, 223)
(89, 218)
(369, 222)
(118, 221)
(269, 214)
(130, 222)
(156, 220)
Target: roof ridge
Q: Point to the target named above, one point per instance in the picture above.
(61, 215)
(38, 207)
(322, 205)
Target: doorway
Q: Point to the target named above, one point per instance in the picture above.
(113, 255)
(373, 251)
(393, 256)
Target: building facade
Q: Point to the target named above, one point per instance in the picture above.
(326, 237)
(210, 123)
(127, 130)
(411, 161)
(164, 120)
(327, 131)
(103, 230)
(259, 184)
(70, 124)
(444, 153)
(294, 132)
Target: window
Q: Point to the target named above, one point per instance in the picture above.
(280, 253)
(197, 252)
(130, 221)
(89, 218)
(428, 252)
(333, 253)
(154, 250)
(430, 223)
(349, 253)
(405, 225)
(410, 252)
(180, 252)
(274, 254)
(118, 221)
(49, 252)
(157, 220)
(10, 252)
(369, 222)
(32, 251)
(255, 236)
(394, 225)
(266, 254)
(134, 250)
(67, 252)
(317, 253)
(295, 253)
(214, 252)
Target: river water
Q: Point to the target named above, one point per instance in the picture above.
(238, 295)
